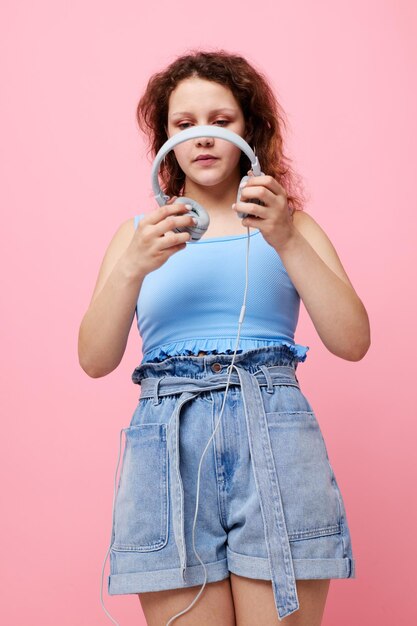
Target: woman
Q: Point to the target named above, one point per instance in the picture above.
(269, 507)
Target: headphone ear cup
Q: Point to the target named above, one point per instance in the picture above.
(239, 193)
(199, 213)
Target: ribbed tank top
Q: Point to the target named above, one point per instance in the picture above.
(193, 301)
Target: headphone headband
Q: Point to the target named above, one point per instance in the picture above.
(193, 133)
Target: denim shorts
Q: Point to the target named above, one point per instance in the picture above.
(269, 506)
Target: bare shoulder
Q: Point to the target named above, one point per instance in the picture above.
(304, 222)
(120, 240)
(318, 239)
(125, 231)
(115, 249)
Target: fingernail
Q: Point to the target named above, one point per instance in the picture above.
(233, 205)
(189, 206)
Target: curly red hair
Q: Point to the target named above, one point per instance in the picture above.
(263, 115)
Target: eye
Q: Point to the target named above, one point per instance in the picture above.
(216, 122)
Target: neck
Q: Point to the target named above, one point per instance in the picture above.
(216, 198)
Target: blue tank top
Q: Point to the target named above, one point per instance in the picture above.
(193, 301)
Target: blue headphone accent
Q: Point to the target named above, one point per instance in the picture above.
(197, 210)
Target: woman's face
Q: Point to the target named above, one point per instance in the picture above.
(196, 101)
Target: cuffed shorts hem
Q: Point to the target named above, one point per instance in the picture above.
(258, 567)
(240, 564)
(160, 580)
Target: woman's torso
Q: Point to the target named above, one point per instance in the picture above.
(191, 304)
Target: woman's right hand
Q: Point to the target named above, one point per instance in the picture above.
(155, 241)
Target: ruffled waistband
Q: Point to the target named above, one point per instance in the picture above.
(225, 345)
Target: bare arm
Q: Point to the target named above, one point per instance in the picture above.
(313, 265)
(336, 310)
(130, 256)
(105, 327)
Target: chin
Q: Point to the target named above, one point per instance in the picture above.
(208, 179)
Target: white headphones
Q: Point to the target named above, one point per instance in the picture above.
(198, 211)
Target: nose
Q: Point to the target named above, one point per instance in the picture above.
(205, 141)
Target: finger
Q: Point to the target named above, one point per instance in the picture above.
(260, 194)
(255, 210)
(266, 181)
(257, 192)
(250, 221)
(159, 213)
(171, 239)
(173, 221)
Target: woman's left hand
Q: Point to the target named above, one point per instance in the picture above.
(275, 218)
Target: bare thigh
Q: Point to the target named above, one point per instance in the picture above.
(214, 606)
(255, 604)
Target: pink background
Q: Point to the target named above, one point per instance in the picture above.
(74, 166)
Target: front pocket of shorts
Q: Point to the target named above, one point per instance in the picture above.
(308, 491)
(141, 508)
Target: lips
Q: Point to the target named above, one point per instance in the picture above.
(205, 157)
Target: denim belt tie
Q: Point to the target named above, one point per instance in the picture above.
(267, 485)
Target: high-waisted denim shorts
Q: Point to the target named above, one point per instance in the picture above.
(269, 506)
